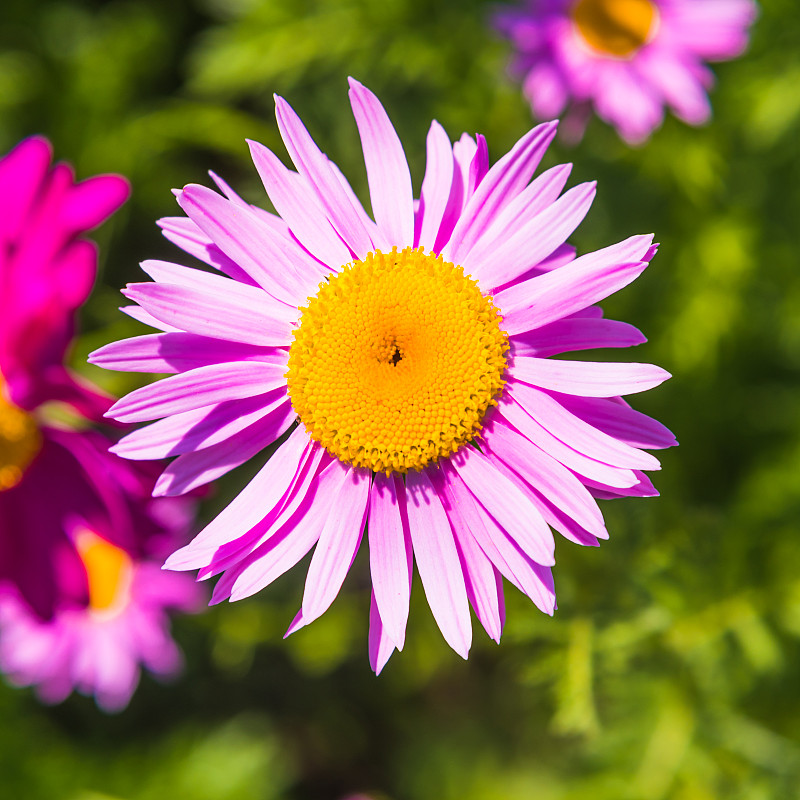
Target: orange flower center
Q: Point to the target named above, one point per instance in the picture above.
(396, 361)
(109, 570)
(615, 27)
(20, 441)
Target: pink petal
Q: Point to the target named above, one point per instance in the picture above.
(293, 540)
(571, 334)
(501, 184)
(297, 203)
(620, 421)
(313, 164)
(178, 352)
(222, 316)
(534, 241)
(387, 168)
(390, 554)
(438, 563)
(576, 433)
(199, 387)
(191, 470)
(436, 185)
(197, 429)
(546, 475)
(506, 504)
(338, 542)
(249, 507)
(531, 578)
(561, 292)
(243, 237)
(532, 200)
(184, 233)
(588, 378)
(381, 645)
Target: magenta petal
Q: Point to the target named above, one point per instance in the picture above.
(576, 433)
(338, 543)
(507, 505)
(243, 237)
(501, 184)
(387, 168)
(200, 387)
(223, 316)
(549, 477)
(571, 334)
(197, 429)
(179, 352)
(534, 241)
(199, 467)
(313, 164)
(531, 578)
(574, 459)
(390, 554)
(436, 186)
(381, 646)
(248, 508)
(617, 419)
(484, 590)
(298, 205)
(561, 292)
(289, 543)
(438, 563)
(588, 378)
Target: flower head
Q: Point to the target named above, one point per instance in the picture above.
(77, 524)
(402, 366)
(627, 59)
(97, 647)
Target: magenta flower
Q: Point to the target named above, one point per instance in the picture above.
(627, 59)
(413, 350)
(97, 649)
(59, 484)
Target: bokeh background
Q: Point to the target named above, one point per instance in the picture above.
(672, 667)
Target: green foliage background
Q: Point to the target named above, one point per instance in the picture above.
(671, 669)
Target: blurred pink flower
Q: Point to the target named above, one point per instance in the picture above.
(97, 649)
(58, 482)
(626, 59)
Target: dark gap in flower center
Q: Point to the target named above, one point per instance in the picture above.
(396, 356)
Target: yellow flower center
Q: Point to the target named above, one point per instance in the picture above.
(109, 570)
(20, 441)
(615, 27)
(396, 360)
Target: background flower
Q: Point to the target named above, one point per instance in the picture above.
(58, 482)
(624, 59)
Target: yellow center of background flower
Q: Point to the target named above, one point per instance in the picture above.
(396, 361)
(616, 27)
(109, 570)
(20, 441)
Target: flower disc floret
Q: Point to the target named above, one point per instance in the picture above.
(396, 360)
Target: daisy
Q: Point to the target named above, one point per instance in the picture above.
(400, 366)
(97, 648)
(46, 272)
(627, 59)
(64, 498)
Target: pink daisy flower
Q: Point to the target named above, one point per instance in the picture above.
(627, 59)
(400, 366)
(59, 484)
(46, 273)
(97, 649)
